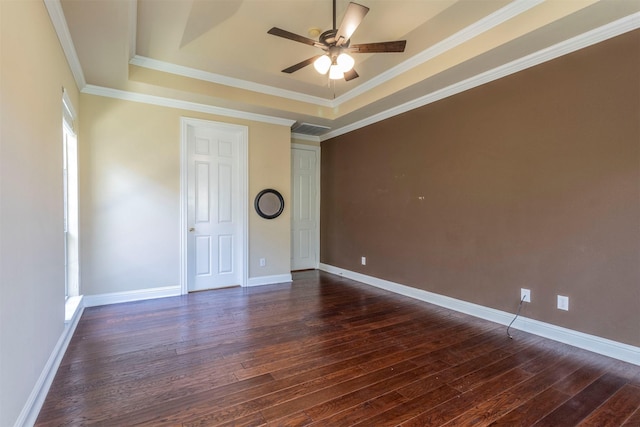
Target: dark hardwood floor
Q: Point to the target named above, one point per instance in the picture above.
(325, 351)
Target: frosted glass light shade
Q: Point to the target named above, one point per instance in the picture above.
(345, 62)
(335, 72)
(322, 64)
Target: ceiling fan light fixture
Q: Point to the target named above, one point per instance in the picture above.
(335, 73)
(336, 43)
(322, 64)
(345, 62)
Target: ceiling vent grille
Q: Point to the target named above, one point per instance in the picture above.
(310, 129)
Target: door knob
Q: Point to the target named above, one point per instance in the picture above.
(191, 229)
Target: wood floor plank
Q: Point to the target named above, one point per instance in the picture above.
(580, 379)
(498, 405)
(437, 415)
(324, 351)
(218, 406)
(301, 403)
(585, 402)
(451, 374)
(411, 408)
(469, 381)
(280, 397)
(360, 412)
(633, 420)
(322, 404)
(532, 410)
(616, 410)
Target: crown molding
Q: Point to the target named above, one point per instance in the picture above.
(59, 22)
(303, 137)
(490, 21)
(154, 64)
(487, 23)
(613, 29)
(184, 105)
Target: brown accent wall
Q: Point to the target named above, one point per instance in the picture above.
(529, 181)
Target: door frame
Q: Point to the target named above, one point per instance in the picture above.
(185, 122)
(318, 151)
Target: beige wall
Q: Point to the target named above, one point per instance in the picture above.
(32, 72)
(130, 195)
(269, 167)
(530, 181)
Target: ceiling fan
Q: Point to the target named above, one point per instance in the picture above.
(336, 45)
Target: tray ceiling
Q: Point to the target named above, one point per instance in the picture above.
(218, 53)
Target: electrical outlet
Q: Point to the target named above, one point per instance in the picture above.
(525, 295)
(363, 260)
(263, 262)
(563, 303)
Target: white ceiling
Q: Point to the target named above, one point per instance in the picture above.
(217, 52)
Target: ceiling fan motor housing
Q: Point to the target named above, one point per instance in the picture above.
(328, 38)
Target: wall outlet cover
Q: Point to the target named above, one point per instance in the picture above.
(563, 302)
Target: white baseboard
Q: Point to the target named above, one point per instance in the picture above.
(129, 296)
(617, 350)
(269, 280)
(34, 403)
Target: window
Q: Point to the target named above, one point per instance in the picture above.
(70, 191)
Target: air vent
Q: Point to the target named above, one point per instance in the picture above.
(309, 129)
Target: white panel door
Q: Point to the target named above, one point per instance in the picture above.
(305, 221)
(215, 216)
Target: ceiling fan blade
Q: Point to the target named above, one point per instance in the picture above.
(350, 75)
(291, 36)
(352, 18)
(396, 46)
(300, 65)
